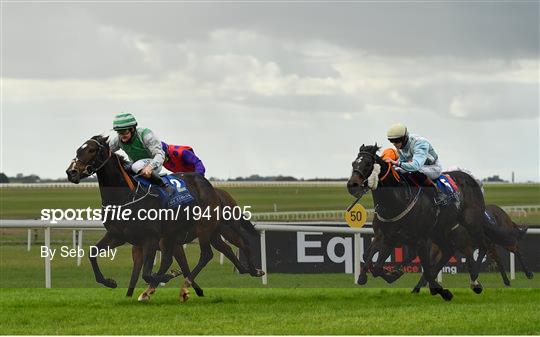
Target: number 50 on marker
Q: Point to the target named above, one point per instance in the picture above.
(356, 216)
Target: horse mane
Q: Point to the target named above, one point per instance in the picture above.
(102, 139)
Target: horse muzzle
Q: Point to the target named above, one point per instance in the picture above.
(356, 189)
(73, 176)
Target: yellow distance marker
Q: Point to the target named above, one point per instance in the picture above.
(356, 216)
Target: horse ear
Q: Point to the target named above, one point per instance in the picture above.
(361, 147)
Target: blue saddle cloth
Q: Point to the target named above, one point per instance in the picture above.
(181, 195)
(448, 186)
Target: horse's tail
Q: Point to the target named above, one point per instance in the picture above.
(227, 200)
(503, 236)
(521, 230)
(248, 226)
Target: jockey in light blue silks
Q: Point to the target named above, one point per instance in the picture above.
(416, 155)
(142, 147)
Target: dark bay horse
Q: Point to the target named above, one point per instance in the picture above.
(509, 242)
(506, 237)
(406, 215)
(117, 188)
(234, 231)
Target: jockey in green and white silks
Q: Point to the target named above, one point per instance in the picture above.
(142, 147)
(416, 154)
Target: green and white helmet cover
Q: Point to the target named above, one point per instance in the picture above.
(124, 121)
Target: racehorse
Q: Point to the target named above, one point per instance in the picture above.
(406, 215)
(117, 187)
(509, 242)
(232, 230)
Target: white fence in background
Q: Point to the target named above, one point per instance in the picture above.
(340, 214)
(78, 228)
(214, 183)
(302, 215)
(298, 183)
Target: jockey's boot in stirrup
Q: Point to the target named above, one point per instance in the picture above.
(440, 198)
(156, 179)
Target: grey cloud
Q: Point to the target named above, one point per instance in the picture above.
(474, 101)
(50, 41)
(308, 104)
(71, 40)
(476, 29)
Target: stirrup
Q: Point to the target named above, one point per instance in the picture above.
(441, 201)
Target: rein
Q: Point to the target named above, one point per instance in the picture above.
(125, 175)
(404, 212)
(396, 176)
(394, 173)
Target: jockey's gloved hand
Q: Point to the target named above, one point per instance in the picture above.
(127, 166)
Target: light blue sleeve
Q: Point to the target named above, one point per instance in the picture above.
(420, 153)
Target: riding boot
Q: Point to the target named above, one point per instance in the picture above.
(156, 179)
(439, 197)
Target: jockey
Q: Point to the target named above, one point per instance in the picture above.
(180, 158)
(416, 155)
(142, 147)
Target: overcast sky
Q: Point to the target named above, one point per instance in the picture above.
(274, 88)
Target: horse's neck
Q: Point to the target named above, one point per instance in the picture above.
(389, 191)
(112, 185)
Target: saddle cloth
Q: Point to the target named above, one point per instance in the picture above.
(448, 186)
(181, 194)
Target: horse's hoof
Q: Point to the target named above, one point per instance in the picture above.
(184, 295)
(446, 295)
(109, 283)
(394, 275)
(362, 279)
(506, 283)
(144, 297)
(477, 287)
(435, 291)
(257, 273)
(529, 275)
(199, 292)
(415, 290)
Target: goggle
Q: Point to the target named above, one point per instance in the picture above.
(123, 132)
(395, 140)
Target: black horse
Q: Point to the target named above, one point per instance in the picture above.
(503, 233)
(117, 189)
(405, 214)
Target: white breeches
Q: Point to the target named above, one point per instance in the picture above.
(140, 164)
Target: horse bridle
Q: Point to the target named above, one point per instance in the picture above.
(356, 161)
(91, 165)
(364, 188)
